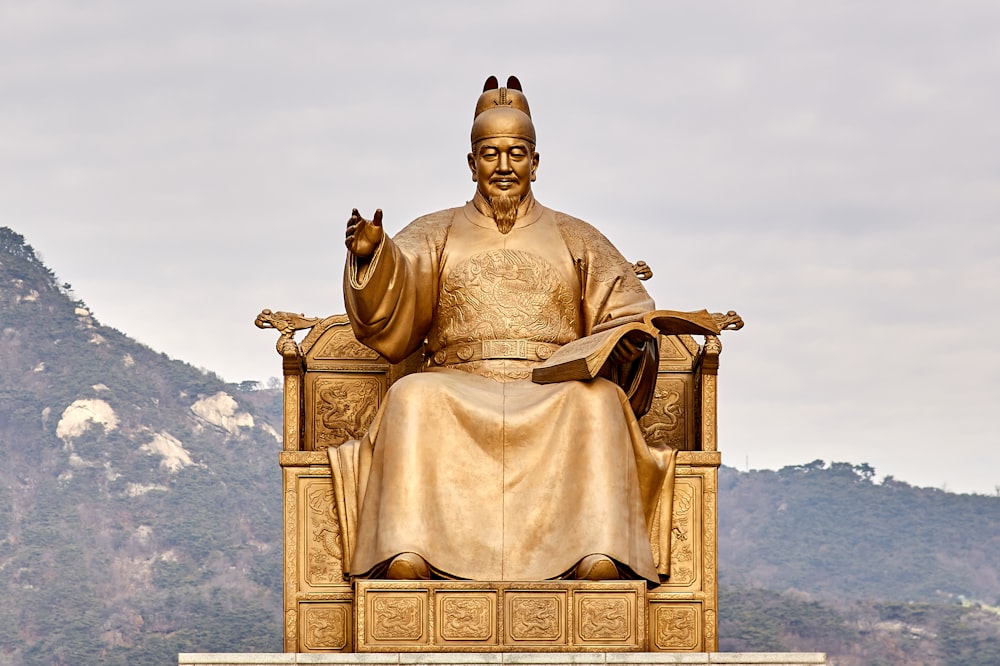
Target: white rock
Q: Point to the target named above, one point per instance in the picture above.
(82, 414)
(175, 456)
(271, 431)
(143, 533)
(220, 410)
(137, 489)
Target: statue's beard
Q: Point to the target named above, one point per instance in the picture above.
(505, 211)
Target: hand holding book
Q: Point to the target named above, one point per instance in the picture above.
(629, 347)
(621, 341)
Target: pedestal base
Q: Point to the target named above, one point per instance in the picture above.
(521, 658)
(460, 616)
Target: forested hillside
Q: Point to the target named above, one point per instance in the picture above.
(831, 532)
(140, 516)
(139, 496)
(819, 557)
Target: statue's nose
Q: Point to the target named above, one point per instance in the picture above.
(504, 164)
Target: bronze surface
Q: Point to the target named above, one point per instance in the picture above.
(411, 425)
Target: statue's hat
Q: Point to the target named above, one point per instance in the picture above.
(503, 112)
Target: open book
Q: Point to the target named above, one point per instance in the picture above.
(584, 358)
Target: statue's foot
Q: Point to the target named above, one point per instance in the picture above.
(596, 567)
(408, 566)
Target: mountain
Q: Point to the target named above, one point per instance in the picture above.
(819, 557)
(829, 532)
(140, 497)
(140, 516)
(859, 633)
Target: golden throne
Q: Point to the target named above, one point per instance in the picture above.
(333, 386)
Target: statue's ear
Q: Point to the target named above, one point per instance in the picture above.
(491, 84)
(513, 83)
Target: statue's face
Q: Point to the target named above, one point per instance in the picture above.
(503, 166)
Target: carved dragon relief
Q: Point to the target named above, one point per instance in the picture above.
(730, 321)
(397, 618)
(326, 627)
(286, 323)
(682, 570)
(534, 618)
(467, 618)
(642, 270)
(325, 557)
(344, 409)
(663, 425)
(676, 627)
(604, 618)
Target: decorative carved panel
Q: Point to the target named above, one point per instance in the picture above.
(467, 617)
(543, 616)
(394, 617)
(685, 535)
(325, 626)
(321, 534)
(672, 350)
(340, 407)
(605, 618)
(535, 617)
(666, 422)
(292, 407)
(339, 343)
(675, 627)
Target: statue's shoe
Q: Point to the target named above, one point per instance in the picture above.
(408, 566)
(596, 567)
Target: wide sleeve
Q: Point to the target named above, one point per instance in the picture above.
(611, 290)
(391, 299)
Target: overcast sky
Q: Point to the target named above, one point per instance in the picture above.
(830, 170)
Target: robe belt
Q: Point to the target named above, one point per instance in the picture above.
(486, 350)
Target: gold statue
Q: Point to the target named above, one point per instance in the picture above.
(470, 470)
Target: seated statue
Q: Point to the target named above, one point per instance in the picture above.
(469, 469)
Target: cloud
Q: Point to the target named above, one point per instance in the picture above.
(826, 169)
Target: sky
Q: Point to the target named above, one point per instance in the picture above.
(830, 170)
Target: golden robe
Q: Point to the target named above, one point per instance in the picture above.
(485, 474)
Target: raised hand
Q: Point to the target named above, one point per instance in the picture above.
(364, 236)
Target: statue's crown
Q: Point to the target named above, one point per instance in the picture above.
(502, 112)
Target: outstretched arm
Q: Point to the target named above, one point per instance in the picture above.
(390, 284)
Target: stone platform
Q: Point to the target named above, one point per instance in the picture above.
(520, 658)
